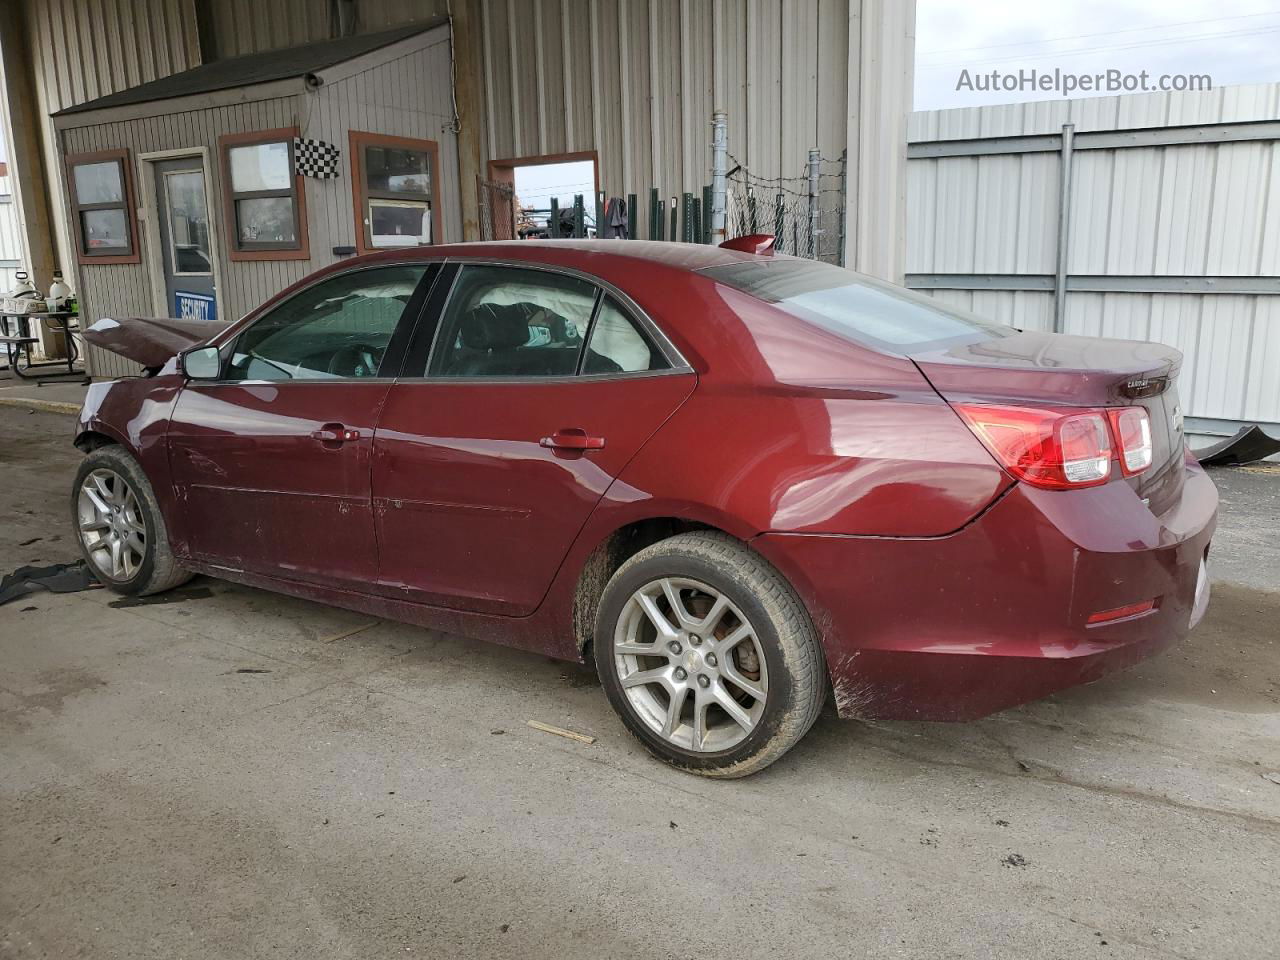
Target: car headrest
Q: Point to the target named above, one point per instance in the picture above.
(493, 326)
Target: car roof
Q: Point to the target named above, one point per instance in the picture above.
(684, 256)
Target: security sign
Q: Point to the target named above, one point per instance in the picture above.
(194, 306)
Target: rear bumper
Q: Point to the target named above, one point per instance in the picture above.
(957, 627)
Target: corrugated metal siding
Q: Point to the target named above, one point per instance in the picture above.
(1186, 210)
(642, 78)
(10, 236)
(250, 26)
(408, 96)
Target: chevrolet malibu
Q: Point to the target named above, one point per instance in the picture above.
(742, 484)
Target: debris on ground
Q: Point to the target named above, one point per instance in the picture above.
(1249, 445)
(1014, 860)
(56, 578)
(560, 731)
(1273, 777)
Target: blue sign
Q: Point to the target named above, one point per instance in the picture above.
(194, 306)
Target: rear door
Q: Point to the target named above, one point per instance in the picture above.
(271, 462)
(494, 447)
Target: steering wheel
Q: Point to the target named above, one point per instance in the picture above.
(354, 360)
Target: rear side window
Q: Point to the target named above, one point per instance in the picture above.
(512, 322)
(867, 311)
(616, 346)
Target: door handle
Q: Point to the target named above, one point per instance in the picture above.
(572, 439)
(334, 434)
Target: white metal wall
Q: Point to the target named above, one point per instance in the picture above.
(1189, 210)
(10, 238)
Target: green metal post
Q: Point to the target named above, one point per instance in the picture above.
(686, 229)
(578, 231)
(553, 224)
(599, 213)
(696, 232)
(706, 215)
(655, 215)
(632, 218)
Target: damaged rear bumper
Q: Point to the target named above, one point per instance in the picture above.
(997, 614)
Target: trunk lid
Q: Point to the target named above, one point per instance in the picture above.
(150, 342)
(1031, 367)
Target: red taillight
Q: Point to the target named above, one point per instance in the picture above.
(1062, 448)
(1054, 448)
(1132, 429)
(1122, 613)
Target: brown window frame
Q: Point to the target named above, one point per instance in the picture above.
(236, 249)
(361, 195)
(132, 254)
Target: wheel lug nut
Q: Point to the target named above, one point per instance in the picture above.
(703, 681)
(680, 673)
(695, 639)
(711, 659)
(675, 648)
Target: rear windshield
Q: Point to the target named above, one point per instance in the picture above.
(868, 311)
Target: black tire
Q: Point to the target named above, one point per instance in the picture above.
(158, 571)
(784, 634)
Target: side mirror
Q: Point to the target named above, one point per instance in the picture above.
(202, 363)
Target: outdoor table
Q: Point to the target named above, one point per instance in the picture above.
(18, 341)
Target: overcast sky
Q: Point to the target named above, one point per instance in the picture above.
(1234, 42)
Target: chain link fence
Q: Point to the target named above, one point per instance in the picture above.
(804, 213)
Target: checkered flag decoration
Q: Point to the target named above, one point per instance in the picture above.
(315, 158)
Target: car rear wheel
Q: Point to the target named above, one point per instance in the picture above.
(119, 527)
(708, 655)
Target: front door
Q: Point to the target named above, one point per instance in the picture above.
(539, 390)
(271, 462)
(186, 250)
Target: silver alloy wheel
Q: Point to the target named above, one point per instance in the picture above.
(111, 524)
(690, 664)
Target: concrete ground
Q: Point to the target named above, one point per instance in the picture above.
(227, 773)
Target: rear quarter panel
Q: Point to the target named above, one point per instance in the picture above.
(795, 429)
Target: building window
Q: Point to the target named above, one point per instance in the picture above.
(265, 206)
(395, 186)
(102, 207)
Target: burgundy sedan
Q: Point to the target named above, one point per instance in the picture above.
(739, 482)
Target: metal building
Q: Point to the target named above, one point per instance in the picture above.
(196, 154)
(628, 84)
(1149, 217)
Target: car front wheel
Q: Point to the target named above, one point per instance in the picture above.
(708, 655)
(119, 527)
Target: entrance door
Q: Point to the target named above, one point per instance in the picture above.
(185, 248)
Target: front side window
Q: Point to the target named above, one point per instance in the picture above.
(395, 186)
(512, 322)
(263, 198)
(337, 329)
(101, 200)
